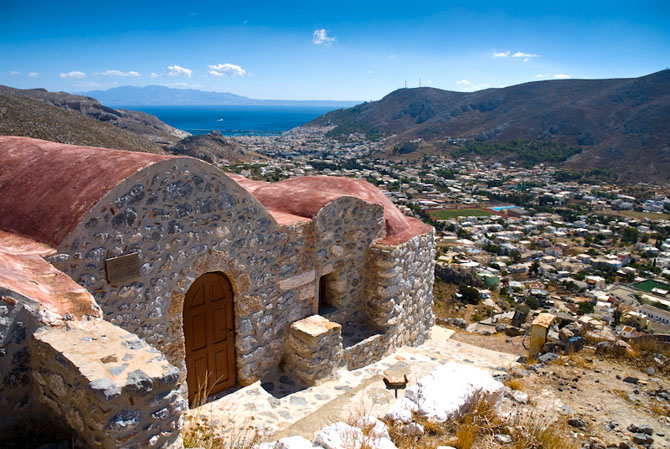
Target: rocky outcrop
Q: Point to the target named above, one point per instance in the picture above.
(214, 148)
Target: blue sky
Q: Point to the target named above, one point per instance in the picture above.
(345, 50)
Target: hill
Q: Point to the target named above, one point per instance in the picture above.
(618, 124)
(166, 96)
(32, 116)
(214, 148)
(76, 119)
(146, 125)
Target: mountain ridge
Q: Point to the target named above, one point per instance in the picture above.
(155, 95)
(620, 124)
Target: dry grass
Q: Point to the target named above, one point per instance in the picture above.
(645, 353)
(200, 432)
(478, 427)
(649, 346)
(580, 360)
(466, 434)
(529, 432)
(658, 409)
(515, 384)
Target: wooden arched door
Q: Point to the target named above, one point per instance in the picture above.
(209, 335)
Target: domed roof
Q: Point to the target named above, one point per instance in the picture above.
(306, 196)
(46, 188)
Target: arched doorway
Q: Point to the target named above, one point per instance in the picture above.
(209, 334)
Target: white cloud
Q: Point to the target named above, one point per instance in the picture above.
(469, 86)
(525, 56)
(392, 56)
(73, 74)
(132, 73)
(175, 70)
(226, 69)
(561, 76)
(154, 75)
(14, 73)
(518, 55)
(540, 76)
(429, 82)
(321, 37)
(33, 74)
(501, 54)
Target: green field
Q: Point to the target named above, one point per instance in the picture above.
(650, 284)
(453, 213)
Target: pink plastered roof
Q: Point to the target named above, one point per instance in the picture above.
(306, 196)
(24, 271)
(46, 188)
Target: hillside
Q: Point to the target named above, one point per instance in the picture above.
(62, 117)
(21, 115)
(214, 148)
(148, 126)
(621, 124)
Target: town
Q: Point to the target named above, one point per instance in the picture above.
(525, 238)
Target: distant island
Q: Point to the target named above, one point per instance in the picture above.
(167, 96)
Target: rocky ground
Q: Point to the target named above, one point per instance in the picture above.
(606, 401)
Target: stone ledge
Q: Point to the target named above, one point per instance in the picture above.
(109, 386)
(104, 351)
(297, 280)
(312, 328)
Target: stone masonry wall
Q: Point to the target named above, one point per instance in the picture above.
(19, 317)
(367, 351)
(345, 229)
(401, 290)
(185, 218)
(110, 387)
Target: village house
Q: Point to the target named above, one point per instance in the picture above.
(134, 278)
(655, 314)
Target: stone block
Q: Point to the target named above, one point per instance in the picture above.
(313, 328)
(297, 280)
(313, 349)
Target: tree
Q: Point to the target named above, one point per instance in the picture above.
(470, 294)
(585, 308)
(534, 268)
(570, 285)
(630, 234)
(532, 302)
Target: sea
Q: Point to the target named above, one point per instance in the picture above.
(234, 120)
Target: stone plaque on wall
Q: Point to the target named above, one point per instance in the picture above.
(122, 268)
